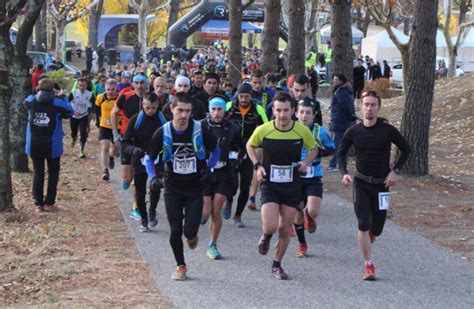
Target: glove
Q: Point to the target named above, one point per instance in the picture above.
(138, 153)
(156, 184)
(117, 137)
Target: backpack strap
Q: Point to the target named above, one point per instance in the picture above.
(198, 142)
(167, 142)
(139, 121)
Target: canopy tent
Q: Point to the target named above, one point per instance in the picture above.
(381, 47)
(222, 27)
(466, 52)
(325, 32)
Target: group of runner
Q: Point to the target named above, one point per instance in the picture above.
(200, 145)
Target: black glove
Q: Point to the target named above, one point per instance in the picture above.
(138, 152)
(156, 184)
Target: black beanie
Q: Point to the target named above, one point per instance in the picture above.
(212, 75)
(245, 88)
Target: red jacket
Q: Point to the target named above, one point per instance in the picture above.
(34, 78)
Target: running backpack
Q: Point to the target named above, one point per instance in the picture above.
(198, 143)
(138, 123)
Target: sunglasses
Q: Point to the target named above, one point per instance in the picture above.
(302, 101)
(370, 93)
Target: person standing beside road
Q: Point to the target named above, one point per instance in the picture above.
(89, 52)
(183, 146)
(278, 169)
(82, 101)
(372, 140)
(358, 80)
(342, 114)
(44, 140)
(311, 182)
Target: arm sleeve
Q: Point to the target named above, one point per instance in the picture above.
(150, 167)
(344, 147)
(128, 137)
(402, 144)
(256, 139)
(99, 100)
(156, 144)
(327, 143)
(262, 114)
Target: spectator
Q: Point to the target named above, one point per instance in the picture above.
(35, 76)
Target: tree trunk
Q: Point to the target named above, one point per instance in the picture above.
(235, 40)
(359, 24)
(296, 48)
(60, 26)
(416, 118)
(406, 25)
(341, 38)
(365, 25)
(6, 195)
(270, 36)
(94, 19)
(173, 14)
(41, 35)
(20, 77)
(405, 52)
(142, 31)
(463, 8)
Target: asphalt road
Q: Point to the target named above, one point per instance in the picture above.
(412, 272)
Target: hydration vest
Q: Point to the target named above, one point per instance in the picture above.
(138, 123)
(197, 140)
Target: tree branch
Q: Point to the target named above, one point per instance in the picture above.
(134, 4)
(26, 28)
(84, 11)
(164, 5)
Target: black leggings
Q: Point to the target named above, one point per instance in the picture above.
(140, 195)
(81, 125)
(246, 175)
(182, 204)
(38, 180)
(366, 206)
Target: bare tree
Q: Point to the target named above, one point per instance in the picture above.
(453, 48)
(145, 8)
(63, 13)
(296, 47)
(41, 35)
(175, 9)
(270, 36)
(416, 117)
(19, 78)
(341, 38)
(94, 19)
(235, 40)
(464, 6)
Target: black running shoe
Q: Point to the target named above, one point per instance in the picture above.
(111, 163)
(279, 273)
(263, 245)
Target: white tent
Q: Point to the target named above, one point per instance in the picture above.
(380, 47)
(466, 52)
(325, 32)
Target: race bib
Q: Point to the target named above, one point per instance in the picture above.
(281, 173)
(384, 200)
(184, 166)
(233, 155)
(220, 164)
(107, 121)
(309, 172)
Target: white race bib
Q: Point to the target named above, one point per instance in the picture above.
(309, 172)
(184, 166)
(384, 200)
(220, 164)
(281, 173)
(107, 121)
(233, 155)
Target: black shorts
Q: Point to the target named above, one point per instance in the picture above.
(105, 133)
(366, 206)
(287, 193)
(220, 182)
(311, 187)
(125, 159)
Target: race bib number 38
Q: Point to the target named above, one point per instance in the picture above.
(384, 200)
(184, 166)
(281, 173)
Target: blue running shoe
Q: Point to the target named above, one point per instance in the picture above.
(153, 221)
(227, 210)
(213, 253)
(125, 185)
(135, 214)
(238, 222)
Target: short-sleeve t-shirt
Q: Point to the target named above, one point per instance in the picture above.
(282, 148)
(106, 105)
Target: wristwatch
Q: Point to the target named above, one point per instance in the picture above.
(257, 165)
(396, 171)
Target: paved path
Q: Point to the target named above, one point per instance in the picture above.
(412, 272)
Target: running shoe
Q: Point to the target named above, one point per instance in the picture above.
(279, 273)
(310, 221)
(106, 175)
(238, 222)
(369, 274)
(153, 220)
(135, 213)
(192, 243)
(111, 163)
(251, 205)
(125, 185)
(180, 273)
(213, 253)
(82, 155)
(372, 237)
(203, 221)
(263, 245)
(39, 208)
(144, 229)
(301, 251)
(73, 142)
(51, 208)
(331, 169)
(227, 210)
